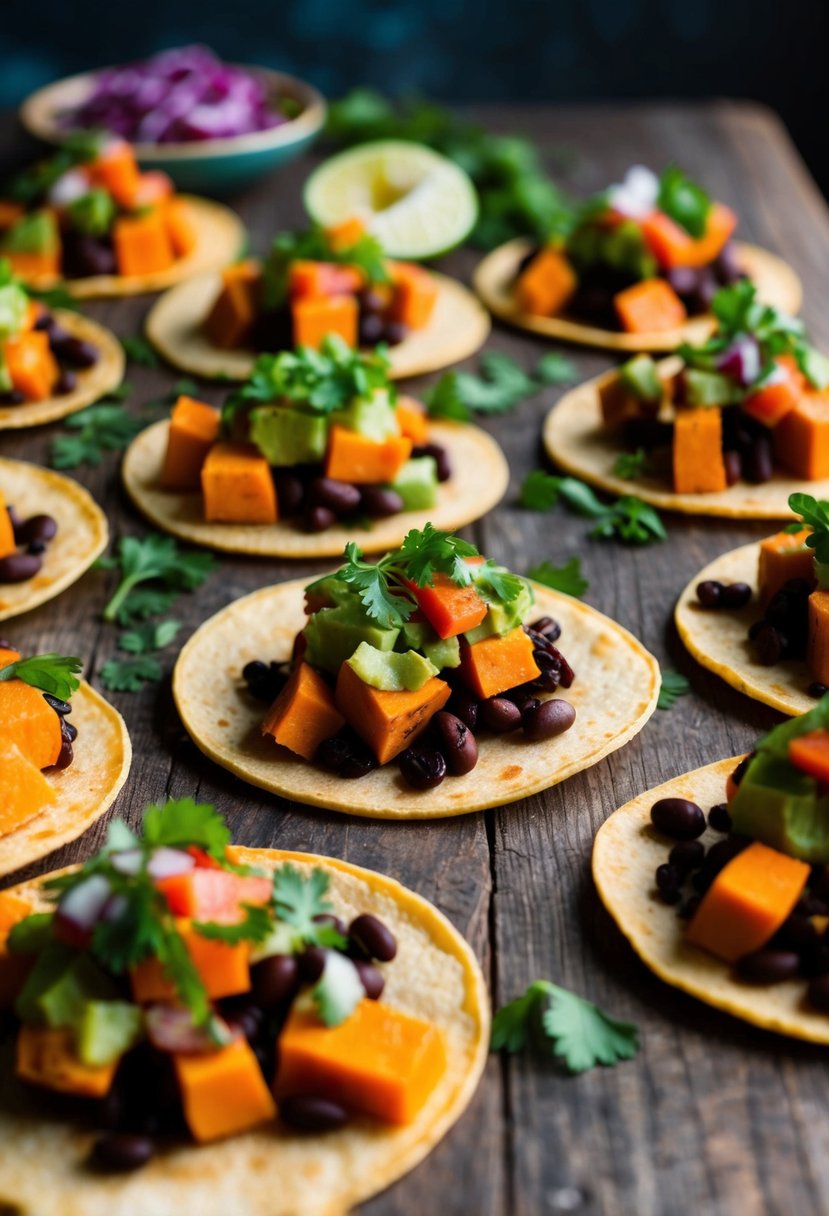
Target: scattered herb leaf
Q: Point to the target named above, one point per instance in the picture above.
(255, 927)
(567, 578)
(554, 368)
(627, 519)
(138, 350)
(130, 675)
(153, 558)
(502, 386)
(673, 686)
(154, 635)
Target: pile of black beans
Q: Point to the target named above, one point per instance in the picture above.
(375, 323)
(783, 630)
(747, 449)
(73, 355)
(84, 255)
(143, 1105)
(800, 948)
(32, 537)
(730, 596)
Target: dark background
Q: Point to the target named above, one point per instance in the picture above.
(462, 50)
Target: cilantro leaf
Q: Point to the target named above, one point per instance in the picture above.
(814, 514)
(144, 602)
(130, 675)
(554, 368)
(539, 491)
(564, 1025)
(254, 927)
(496, 583)
(298, 898)
(630, 465)
(627, 518)
(673, 686)
(153, 558)
(567, 578)
(139, 350)
(52, 673)
(683, 200)
(149, 637)
(503, 385)
(101, 428)
(183, 821)
(383, 601)
(430, 552)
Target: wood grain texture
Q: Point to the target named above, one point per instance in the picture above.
(712, 1116)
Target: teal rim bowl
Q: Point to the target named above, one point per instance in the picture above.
(208, 166)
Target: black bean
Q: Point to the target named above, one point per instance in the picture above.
(18, 567)
(719, 855)
(332, 753)
(768, 966)
(370, 329)
(371, 978)
(66, 754)
(668, 881)
(796, 933)
(565, 672)
(395, 332)
(311, 964)
(423, 770)
(380, 503)
(274, 980)
(709, 593)
(255, 671)
(317, 519)
(544, 660)
(440, 457)
(66, 383)
(339, 496)
(76, 351)
(758, 464)
(733, 462)
(120, 1152)
(336, 922)
(719, 818)
(818, 885)
(37, 548)
(818, 993)
(810, 905)
(244, 1015)
(689, 908)
(814, 958)
(458, 744)
(290, 492)
(687, 855)
(500, 714)
(464, 706)
(701, 880)
(678, 818)
(372, 301)
(547, 627)
(37, 528)
(45, 322)
(769, 645)
(735, 595)
(357, 764)
(12, 396)
(60, 707)
(548, 719)
(817, 689)
(374, 937)
(309, 1114)
(740, 770)
(71, 731)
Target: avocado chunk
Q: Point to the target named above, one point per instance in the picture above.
(443, 652)
(6, 384)
(35, 233)
(286, 436)
(640, 377)
(391, 671)
(14, 304)
(372, 416)
(417, 483)
(333, 634)
(709, 388)
(59, 985)
(779, 806)
(623, 248)
(105, 1030)
(502, 618)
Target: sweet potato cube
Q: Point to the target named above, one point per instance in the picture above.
(28, 721)
(237, 485)
(649, 307)
(44, 264)
(412, 420)
(363, 461)
(117, 171)
(699, 467)
(495, 664)
(544, 287)
(801, 440)
(672, 246)
(230, 321)
(24, 791)
(47, 1058)
(223, 1092)
(782, 557)
(31, 365)
(9, 656)
(8, 544)
(450, 609)
(414, 294)
(194, 428)
(303, 714)
(224, 969)
(817, 649)
(747, 902)
(379, 1062)
(314, 317)
(344, 235)
(318, 280)
(180, 228)
(388, 721)
(142, 244)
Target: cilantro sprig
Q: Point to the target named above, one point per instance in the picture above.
(567, 578)
(154, 559)
(139, 350)
(141, 642)
(673, 686)
(560, 1023)
(502, 386)
(813, 513)
(56, 674)
(627, 519)
(313, 245)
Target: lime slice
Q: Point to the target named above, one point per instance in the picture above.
(416, 202)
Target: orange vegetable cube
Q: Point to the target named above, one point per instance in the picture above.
(698, 464)
(211, 893)
(388, 721)
(544, 287)
(747, 902)
(9, 656)
(362, 461)
(672, 246)
(412, 420)
(817, 647)
(782, 557)
(344, 235)
(8, 545)
(307, 279)
(379, 1062)
(304, 713)
(224, 969)
(223, 1092)
(314, 317)
(771, 403)
(180, 227)
(10, 213)
(116, 170)
(230, 321)
(194, 428)
(495, 664)
(142, 244)
(28, 721)
(449, 609)
(153, 187)
(801, 440)
(24, 791)
(649, 307)
(414, 294)
(237, 485)
(47, 1058)
(31, 365)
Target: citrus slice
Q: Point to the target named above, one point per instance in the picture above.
(414, 201)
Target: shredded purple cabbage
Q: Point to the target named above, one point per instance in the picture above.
(177, 96)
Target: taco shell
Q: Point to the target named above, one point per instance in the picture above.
(625, 856)
(479, 480)
(458, 328)
(82, 534)
(85, 790)
(576, 440)
(777, 284)
(93, 382)
(718, 640)
(615, 691)
(273, 1171)
(220, 237)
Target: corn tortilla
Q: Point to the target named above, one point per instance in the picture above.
(85, 790)
(458, 328)
(220, 237)
(479, 480)
(575, 438)
(777, 284)
(625, 856)
(93, 382)
(273, 1171)
(82, 533)
(615, 691)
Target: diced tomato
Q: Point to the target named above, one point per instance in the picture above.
(203, 860)
(810, 753)
(313, 279)
(207, 894)
(449, 609)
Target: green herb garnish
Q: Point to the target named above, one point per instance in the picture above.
(154, 559)
(52, 673)
(672, 687)
(627, 519)
(630, 465)
(503, 385)
(366, 253)
(30, 185)
(130, 675)
(813, 513)
(567, 578)
(138, 350)
(684, 201)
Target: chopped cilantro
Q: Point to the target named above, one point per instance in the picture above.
(502, 386)
(813, 513)
(627, 519)
(153, 558)
(313, 245)
(567, 578)
(298, 899)
(184, 821)
(673, 686)
(130, 675)
(255, 927)
(139, 350)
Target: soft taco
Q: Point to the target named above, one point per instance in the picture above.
(90, 219)
(64, 755)
(315, 450)
(731, 427)
(190, 964)
(730, 903)
(311, 284)
(415, 688)
(759, 615)
(633, 269)
(51, 531)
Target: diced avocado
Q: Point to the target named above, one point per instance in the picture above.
(779, 806)
(93, 213)
(339, 990)
(709, 388)
(372, 416)
(6, 384)
(640, 377)
(625, 249)
(390, 670)
(328, 591)
(105, 1030)
(443, 652)
(287, 436)
(14, 304)
(58, 986)
(417, 483)
(501, 618)
(35, 233)
(333, 634)
(50, 965)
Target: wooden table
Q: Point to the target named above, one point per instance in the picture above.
(712, 1116)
